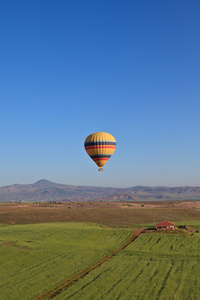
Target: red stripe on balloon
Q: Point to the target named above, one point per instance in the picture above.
(97, 147)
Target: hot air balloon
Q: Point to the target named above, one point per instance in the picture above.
(100, 146)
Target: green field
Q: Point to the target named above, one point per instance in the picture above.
(36, 257)
(39, 258)
(154, 266)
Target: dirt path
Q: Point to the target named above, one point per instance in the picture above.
(56, 289)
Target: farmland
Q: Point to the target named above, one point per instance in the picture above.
(154, 266)
(43, 245)
(35, 257)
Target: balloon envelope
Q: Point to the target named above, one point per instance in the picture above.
(100, 146)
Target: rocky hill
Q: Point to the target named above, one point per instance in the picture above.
(45, 190)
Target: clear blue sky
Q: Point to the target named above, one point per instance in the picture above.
(69, 68)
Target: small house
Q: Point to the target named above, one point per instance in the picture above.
(165, 225)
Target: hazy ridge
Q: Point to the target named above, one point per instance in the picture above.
(45, 190)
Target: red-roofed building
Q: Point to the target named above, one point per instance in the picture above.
(165, 225)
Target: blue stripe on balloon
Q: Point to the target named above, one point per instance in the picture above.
(102, 143)
(100, 156)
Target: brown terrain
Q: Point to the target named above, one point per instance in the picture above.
(113, 214)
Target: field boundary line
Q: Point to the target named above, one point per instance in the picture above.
(56, 289)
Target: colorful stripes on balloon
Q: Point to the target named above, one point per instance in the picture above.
(100, 157)
(100, 146)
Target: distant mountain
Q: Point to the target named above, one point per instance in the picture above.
(45, 190)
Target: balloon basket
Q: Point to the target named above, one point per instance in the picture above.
(100, 170)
